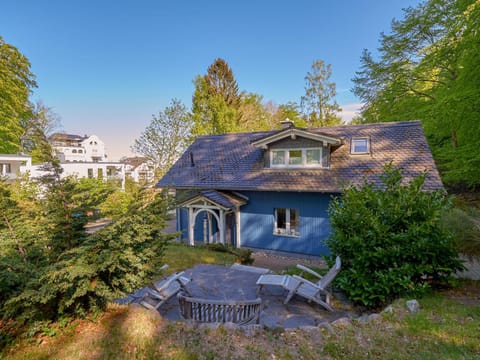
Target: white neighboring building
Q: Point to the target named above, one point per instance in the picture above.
(85, 157)
(80, 156)
(98, 170)
(94, 149)
(75, 148)
(140, 169)
(13, 165)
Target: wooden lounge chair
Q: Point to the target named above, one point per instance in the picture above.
(295, 284)
(160, 292)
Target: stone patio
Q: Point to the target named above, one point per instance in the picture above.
(224, 283)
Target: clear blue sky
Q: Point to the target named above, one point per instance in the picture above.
(106, 66)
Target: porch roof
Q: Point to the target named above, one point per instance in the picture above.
(223, 199)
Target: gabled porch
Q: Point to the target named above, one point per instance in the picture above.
(221, 217)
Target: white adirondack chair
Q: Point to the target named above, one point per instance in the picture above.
(316, 292)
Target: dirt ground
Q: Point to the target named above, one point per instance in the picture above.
(468, 293)
(277, 261)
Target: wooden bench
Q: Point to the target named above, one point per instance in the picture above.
(211, 311)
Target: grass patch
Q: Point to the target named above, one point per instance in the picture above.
(293, 270)
(445, 328)
(181, 257)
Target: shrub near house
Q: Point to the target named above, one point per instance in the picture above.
(390, 239)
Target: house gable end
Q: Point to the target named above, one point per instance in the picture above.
(293, 133)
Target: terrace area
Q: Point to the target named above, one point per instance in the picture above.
(231, 283)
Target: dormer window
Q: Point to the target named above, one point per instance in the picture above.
(314, 157)
(295, 157)
(311, 157)
(360, 146)
(278, 158)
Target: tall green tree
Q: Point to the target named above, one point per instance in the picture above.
(428, 69)
(16, 82)
(22, 238)
(253, 114)
(318, 104)
(36, 129)
(220, 81)
(215, 101)
(291, 111)
(166, 137)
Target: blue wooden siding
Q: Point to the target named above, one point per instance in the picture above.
(257, 221)
(182, 222)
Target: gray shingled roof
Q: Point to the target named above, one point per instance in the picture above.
(65, 136)
(134, 161)
(231, 162)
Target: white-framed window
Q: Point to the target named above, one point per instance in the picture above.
(295, 157)
(287, 222)
(313, 157)
(309, 157)
(360, 146)
(278, 157)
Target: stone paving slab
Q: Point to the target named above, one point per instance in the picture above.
(223, 283)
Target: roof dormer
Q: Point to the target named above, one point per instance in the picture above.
(296, 148)
(293, 133)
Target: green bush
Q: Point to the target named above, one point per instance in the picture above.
(390, 239)
(219, 247)
(464, 225)
(244, 256)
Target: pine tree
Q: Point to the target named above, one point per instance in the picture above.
(216, 101)
(318, 104)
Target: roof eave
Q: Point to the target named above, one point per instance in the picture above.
(201, 196)
(246, 188)
(293, 133)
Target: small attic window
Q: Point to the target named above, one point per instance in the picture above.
(360, 146)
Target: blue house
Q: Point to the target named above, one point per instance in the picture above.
(271, 189)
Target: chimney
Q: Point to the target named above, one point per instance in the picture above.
(287, 124)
